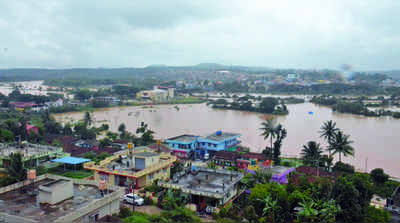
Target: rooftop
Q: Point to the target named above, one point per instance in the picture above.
(211, 182)
(220, 136)
(27, 149)
(184, 138)
(71, 160)
(146, 154)
(22, 202)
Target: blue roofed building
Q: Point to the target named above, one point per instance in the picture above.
(217, 141)
(191, 146)
(183, 146)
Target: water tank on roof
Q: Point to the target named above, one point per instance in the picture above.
(218, 133)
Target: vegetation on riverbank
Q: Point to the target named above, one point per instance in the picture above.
(353, 106)
(267, 105)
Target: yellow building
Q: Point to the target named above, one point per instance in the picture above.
(158, 94)
(137, 169)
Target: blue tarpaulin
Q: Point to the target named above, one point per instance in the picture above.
(71, 160)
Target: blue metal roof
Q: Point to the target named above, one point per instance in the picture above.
(71, 160)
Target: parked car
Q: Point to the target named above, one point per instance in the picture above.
(133, 199)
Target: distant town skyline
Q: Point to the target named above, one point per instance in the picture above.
(307, 34)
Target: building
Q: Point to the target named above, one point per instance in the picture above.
(136, 169)
(33, 155)
(54, 198)
(236, 159)
(58, 103)
(186, 146)
(106, 100)
(183, 146)
(207, 187)
(216, 142)
(158, 94)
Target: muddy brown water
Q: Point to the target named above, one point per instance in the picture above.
(376, 140)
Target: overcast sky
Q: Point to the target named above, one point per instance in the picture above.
(133, 33)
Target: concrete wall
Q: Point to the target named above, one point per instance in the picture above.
(54, 194)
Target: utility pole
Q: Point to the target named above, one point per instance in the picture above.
(366, 164)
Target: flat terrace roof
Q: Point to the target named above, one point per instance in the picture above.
(183, 138)
(215, 183)
(221, 136)
(26, 205)
(145, 154)
(27, 150)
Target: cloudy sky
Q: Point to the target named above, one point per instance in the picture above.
(133, 33)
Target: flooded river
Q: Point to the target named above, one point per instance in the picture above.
(376, 140)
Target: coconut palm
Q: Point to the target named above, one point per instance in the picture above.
(269, 130)
(311, 152)
(341, 144)
(328, 130)
(87, 119)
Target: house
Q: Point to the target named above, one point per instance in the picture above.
(136, 168)
(216, 142)
(186, 146)
(183, 146)
(206, 187)
(58, 103)
(107, 100)
(32, 154)
(51, 198)
(242, 160)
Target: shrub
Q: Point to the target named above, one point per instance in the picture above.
(148, 201)
(377, 215)
(379, 176)
(343, 167)
(286, 163)
(125, 212)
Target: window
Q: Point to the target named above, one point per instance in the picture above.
(151, 176)
(165, 170)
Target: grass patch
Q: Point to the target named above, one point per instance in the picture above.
(79, 174)
(138, 217)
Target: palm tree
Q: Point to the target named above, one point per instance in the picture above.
(328, 130)
(341, 144)
(311, 152)
(269, 130)
(87, 119)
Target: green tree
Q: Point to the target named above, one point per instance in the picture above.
(271, 209)
(269, 130)
(122, 129)
(281, 134)
(16, 169)
(329, 211)
(379, 176)
(67, 130)
(311, 153)
(328, 131)
(6, 136)
(268, 104)
(87, 119)
(307, 212)
(342, 144)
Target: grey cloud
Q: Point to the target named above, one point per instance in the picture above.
(303, 34)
